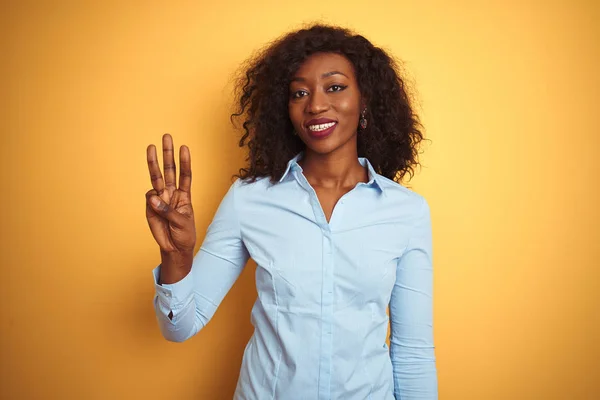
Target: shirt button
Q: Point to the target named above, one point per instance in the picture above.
(167, 294)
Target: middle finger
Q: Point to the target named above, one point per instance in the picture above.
(169, 162)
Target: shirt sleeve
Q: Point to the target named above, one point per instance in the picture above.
(194, 299)
(411, 316)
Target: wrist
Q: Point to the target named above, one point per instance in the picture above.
(177, 257)
(175, 266)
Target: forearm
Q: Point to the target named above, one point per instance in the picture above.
(193, 300)
(174, 267)
(175, 307)
(415, 373)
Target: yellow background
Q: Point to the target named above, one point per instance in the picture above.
(508, 93)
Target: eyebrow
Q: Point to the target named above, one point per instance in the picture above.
(325, 75)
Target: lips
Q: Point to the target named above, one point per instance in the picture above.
(321, 134)
(322, 127)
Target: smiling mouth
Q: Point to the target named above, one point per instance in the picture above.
(321, 127)
(319, 131)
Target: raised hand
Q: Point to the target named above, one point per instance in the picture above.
(168, 207)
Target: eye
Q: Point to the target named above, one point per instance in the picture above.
(299, 93)
(336, 88)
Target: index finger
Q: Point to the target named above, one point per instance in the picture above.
(185, 169)
(155, 175)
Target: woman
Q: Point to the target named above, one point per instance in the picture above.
(336, 239)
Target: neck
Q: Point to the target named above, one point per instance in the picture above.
(334, 170)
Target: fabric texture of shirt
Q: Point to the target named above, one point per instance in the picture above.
(320, 321)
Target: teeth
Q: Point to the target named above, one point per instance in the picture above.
(322, 127)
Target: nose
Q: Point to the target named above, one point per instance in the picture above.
(317, 103)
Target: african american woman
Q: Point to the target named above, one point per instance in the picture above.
(337, 239)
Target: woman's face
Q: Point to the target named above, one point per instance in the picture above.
(325, 103)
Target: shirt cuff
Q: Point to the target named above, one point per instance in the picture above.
(173, 296)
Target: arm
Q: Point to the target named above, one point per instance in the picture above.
(184, 307)
(411, 316)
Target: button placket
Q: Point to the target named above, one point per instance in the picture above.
(327, 244)
(325, 362)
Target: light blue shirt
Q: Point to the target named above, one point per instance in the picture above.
(320, 321)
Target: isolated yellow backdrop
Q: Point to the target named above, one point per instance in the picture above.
(509, 96)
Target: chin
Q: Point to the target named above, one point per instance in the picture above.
(329, 145)
(322, 148)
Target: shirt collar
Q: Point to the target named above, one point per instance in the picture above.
(374, 177)
(292, 164)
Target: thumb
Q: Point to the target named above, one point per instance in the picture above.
(167, 212)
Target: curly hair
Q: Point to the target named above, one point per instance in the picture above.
(390, 141)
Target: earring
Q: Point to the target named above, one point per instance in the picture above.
(295, 133)
(363, 119)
